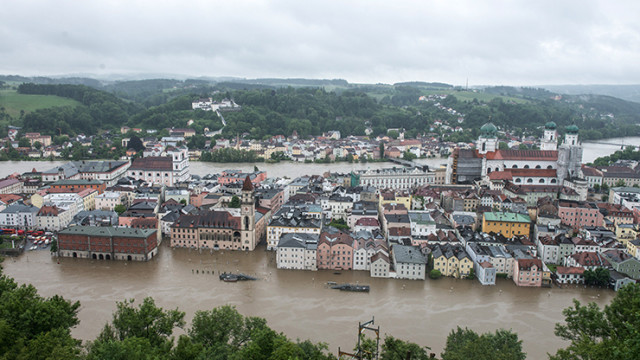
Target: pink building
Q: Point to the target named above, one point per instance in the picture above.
(528, 272)
(335, 251)
(579, 214)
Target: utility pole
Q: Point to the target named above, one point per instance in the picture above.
(359, 354)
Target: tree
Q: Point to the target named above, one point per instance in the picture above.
(54, 246)
(339, 224)
(120, 208)
(467, 344)
(472, 274)
(224, 328)
(396, 349)
(381, 149)
(435, 274)
(147, 321)
(196, 142)
(597, 277)
(235, 202)
(503, 145)
(32, 327)
(620, 183)
(612, 333)
(393, 134)
(409, 156)
(135, 143)
(24, 142)
(37, 145)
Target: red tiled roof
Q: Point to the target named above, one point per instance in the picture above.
(545, 155)
(153, 163)
(500, 175)
(567, 270)
(367, 221)
(526, 264)
(48, 211)
(399, 231)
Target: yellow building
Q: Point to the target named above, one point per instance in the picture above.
(391, 197)
(633, 248)
(451, 261)
(507, 224)
(626, 232)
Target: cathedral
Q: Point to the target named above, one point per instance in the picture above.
(551, 165)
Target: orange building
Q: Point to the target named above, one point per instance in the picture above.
(77, 185)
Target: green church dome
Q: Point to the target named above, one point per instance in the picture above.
(550, 125)
(489, 130)
(572, 129)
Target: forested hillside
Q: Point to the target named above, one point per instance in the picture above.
(311, 107)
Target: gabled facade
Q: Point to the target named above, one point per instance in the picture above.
(528, 272)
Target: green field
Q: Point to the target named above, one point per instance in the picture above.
(13, 103)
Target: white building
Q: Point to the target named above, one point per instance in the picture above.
(569, 275)
(297, 252)
(400, 178)
(106, 171)
(53, 218)
(10, 186)
(486, 273)
(408, 262)
(422, 224)
(19, 215)
(164, 170)
(380, 265)
(108, 200)
(290, 220)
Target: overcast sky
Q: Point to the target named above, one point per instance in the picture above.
(488, 42)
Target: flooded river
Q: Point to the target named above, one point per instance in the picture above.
(298, 303)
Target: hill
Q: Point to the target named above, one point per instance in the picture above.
(17, 105)
(625, 92)
(311, 107)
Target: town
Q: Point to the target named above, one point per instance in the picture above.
(536, 216)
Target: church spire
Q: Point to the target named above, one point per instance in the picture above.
(247, 185)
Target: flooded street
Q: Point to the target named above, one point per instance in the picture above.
(298, 303)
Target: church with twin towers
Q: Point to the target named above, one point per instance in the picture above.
(551, 165)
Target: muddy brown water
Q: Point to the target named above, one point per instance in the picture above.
(299, 303)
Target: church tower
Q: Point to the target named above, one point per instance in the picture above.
(570, 156)
(550, 138)
(488, 140)
(571, 137)
(248, 216)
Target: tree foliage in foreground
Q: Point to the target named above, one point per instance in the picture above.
(146, 332)
(33, 327)
(467, 344)
(612, 333)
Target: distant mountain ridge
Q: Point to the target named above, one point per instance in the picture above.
(625, 92)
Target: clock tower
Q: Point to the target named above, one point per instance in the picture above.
(248, 216)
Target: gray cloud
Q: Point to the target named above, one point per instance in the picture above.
(495, 42)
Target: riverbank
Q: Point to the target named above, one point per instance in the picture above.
(298, 303)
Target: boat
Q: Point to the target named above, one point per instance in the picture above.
(351, 287)
(230, 277)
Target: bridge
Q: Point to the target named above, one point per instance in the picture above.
(404, 162)
(622, 145)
